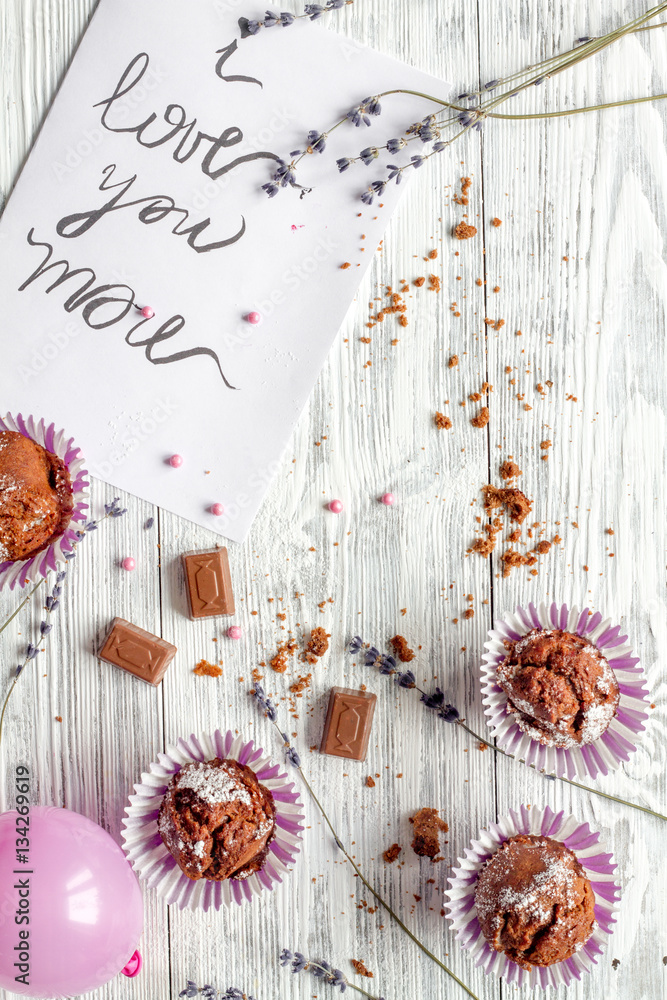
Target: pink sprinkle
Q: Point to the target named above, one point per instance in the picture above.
(147, 312)
(254, 318)
(128, 563)
(336, 506)
(387, 499)
(176, 461)
(217, 509)
(234, 632)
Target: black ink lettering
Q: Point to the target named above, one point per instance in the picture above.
(72, 302)
(156, 208)
(92, 299)
(224, 54)
(165, 332)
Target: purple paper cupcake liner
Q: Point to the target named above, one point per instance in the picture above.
(155, 865)
(29, 570)
(616, 744)
(599, 868)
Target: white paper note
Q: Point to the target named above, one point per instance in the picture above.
(146, 185)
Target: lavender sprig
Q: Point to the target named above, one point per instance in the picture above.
(321, 970)
(448, 713)
(312, 11)
(483, 105)
(210, 992)
(52, 603)
(292, 757)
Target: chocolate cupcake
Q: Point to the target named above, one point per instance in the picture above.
(36, 498)
(534, 901)
(559, 686)
(217, 820)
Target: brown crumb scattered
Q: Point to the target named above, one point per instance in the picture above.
(301, 684)
(509, 470)
(543, 547)
(59, 718)
(392, 853)
(516, 503)
(482, 746)
(462, 199)
(318, 643)
(469, 613)
(402, 650)
(433, 283)
(360, 968)
(279, 661)
(545, 444)
(496, 222)
(482, 418)
(344, 266)
(453, 361)
(206, 669)
(403, 320)
(464, 231)
(427, 829)
(370, 783)
(610, 531)
(441, 421)
(432, 254)
(419, 282)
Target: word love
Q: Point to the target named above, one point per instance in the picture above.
(104, 305)
(151, 134)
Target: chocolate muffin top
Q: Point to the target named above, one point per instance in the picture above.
(216, 820)
(534, 901)
(559, 686)
(35, 497)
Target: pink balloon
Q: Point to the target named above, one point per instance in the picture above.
(82, 901)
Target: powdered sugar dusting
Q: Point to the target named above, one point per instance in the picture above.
(214, 785)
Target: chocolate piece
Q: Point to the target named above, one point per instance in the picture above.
(145, 655)
(347, 728)
(209, 583)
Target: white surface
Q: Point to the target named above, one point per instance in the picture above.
(589, 188)
(196, 378)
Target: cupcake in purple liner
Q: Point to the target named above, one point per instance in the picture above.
(534, 898)
(43, 494)
(562, 690)
(212, 822)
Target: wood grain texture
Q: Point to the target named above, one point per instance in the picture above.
(580, 264)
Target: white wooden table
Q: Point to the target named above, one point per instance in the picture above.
(579, 259)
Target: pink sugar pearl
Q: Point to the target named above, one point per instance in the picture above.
(234, 632)
(336, 506)
(387, 499)
(254, 318)
(147, 312)
(217, 509)
(176, 461)
(128, 563)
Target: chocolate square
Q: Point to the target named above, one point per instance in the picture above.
(145, 655)
(348, 724)
(209, 583)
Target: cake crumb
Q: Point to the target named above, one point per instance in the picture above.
(360, 968)
(482, 418)
(464, 231)
(392, 853)
(370, 783)
(427, 829)
(279, 661)
(441, 421)
(206, 669)
(402, 650)
(509, 470)
(453, 361)
(496, 222)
